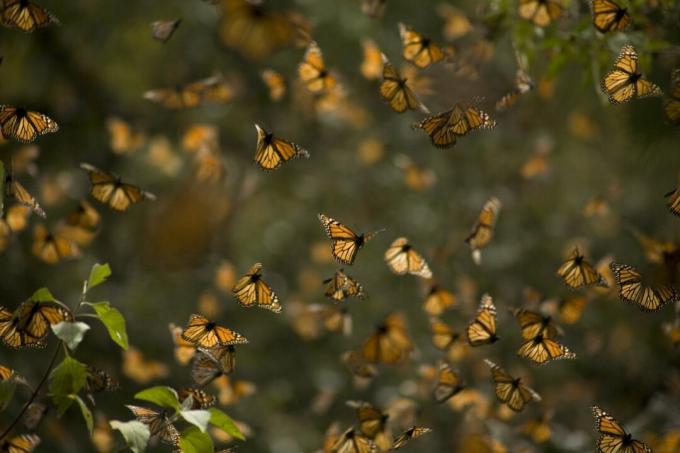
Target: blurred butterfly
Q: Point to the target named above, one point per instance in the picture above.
(346, 243)
(446, 339)
(633, 288)
(457, 24)
(313, 72)
(24, 125)
(403, 259)
(613, 438)
(214, 89)
(6, 373)
(412, 433)
(415, 177)
(538, 428)
(184, 350)
(626, 82)
(23, 443)
(252, 30)
(30, 323)
(656, 251)
(271, 152)
(523, 84)
(140, 369)
(199, 398)
(671, 106)
(162, 30)
(25, 15)
(231, 391)
(159, 423)
(579, 273)
(14, 189)
(449, 383)
(482, 329)
(541, 12)
(276, 84)
(542, 349)
(81, 224)
(99, 381)
(53, 247)
(673, 201)
(418, 49)
(445, 128)
(438, 300)
(372, 424)
(333, 318)
(34, 415)
(110, 190)
(532, 323)
(341, 286)
(571, 309)
(373, 8)
(372, 65)
(389, 343)
(537, 165)
(24, 160)
(122, 138)
(357, 366)
(352, 441)
(251, 291)
(396, 92)
(210, 364)
(609, 16)
(510, 390)
(207, 334)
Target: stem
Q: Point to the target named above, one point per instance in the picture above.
(34, 394)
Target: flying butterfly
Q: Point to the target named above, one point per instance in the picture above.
(510, 390)
(333, 318)
(13, 220)
(633, 288)
(271, 152)
(341, 286)
(673, 201)
(6, 373)
(577, 272)
(373, 8)
(357, 366)
(97, 380)
(403, 259)
(446, 339)
(81, 224)
(418, 49)
(396, 92)
(445, 128)
(207, 334)
(438, 300)
(532, 323)
(184, 350)
(252, 291)
(449, 383)
(162, 30)
(523, 84)
(141, 369)
(313, 72)
(25, 15)
(24, 125)
(110, 189)
(609, 16)
(210, 364)
(538, 428)
(276, 84)
(372, 64)
(123, 139)
(52, 247)
(199, 398)
(23, 443)
(482, 329)
(159, 423)
(457, 23)
(483, 230)
(625, 82)
(346, 243)
(14, 189)
(372, 423)
(671, 106)
(541, 349)
(541, 12)
(30, 323)
(412, 433)
(213, 89)
(389, 343)
(613, 438)
(352, 441)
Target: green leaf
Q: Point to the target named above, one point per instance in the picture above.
(43, 295)
(114, 322)
(160, 395)
(87, 414)
(224, 422)
(66, 380)
(199, 419)
(71, 333)
(194, 441)
(98, 275)
(6, 392)
(136, 434)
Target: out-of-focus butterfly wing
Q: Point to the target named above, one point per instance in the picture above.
(25, 15)
(609, 16)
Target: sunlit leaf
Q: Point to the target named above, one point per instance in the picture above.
(136, 434)
(160, 395)
(195, 441)
(199, 419)
(98, 275)
(114, 322)
(71, 333)
(87, 414)
(43, 295)
(66, 380)
(224, 422)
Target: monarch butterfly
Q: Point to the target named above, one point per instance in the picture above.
(6, 373)
(140, 369)
(412, 433)
(482, 329)
(252, 30)
(207, 334)
(609, 16)
(372, 423)
(633, 288)
(373, 8)
(532, 323)
(341, 286)
(449, 383)
(673, 201)
(671, 107)
(122, 138)
(52, 247)
(163, 30)
(34, 415)
(334, 319)
(346, 243)
(438, 300)
(446, 339)
(14, 219)
(24, 125)
(416, 178)
(159, 423)
(445, 128)
(523, 84)
(655, 251)
(184, 350)
(372, 65)
(579, 273)
(457, 23)
(14, 337)
(613, 438)
(199, 398)
(540, 12)
(626, 82)
(541, 349)
(80, 225)
(99, 381)
(313, 72)
(209, 364)
(357, 366)
(213, 89)
(276, 84)
(24, 443)
(352, 441)
(16, 190)
(30, 323)
(418, 49)
(483, 230)
(390, 342)
(402, 259)
(510, 390)
(538, 428)
(272, 152)
(251, 291)
(396, 92)
(110, 190)
(25, 15)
